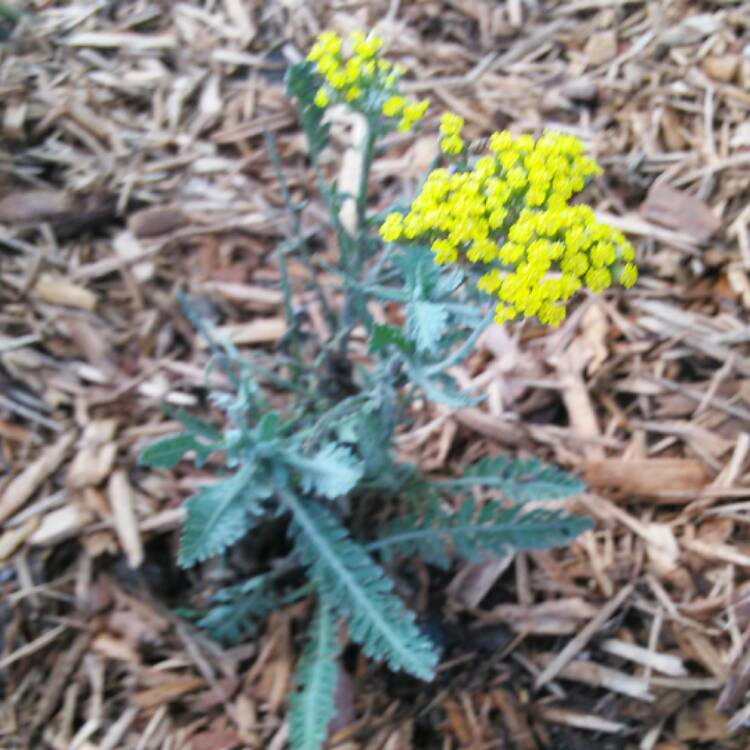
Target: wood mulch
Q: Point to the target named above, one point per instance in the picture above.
(133, 164)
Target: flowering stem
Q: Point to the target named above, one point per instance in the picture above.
(301, 243)
(353, 262)
(368, 152)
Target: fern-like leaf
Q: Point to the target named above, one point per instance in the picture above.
(312, 706)
(167, 452)
(358, 589)
(218, 515)
(333, 471)
(434, 533)
(519, 480)
(234, 610)
(426, 323)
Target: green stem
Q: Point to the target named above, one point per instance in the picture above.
(368, 152)
(297, 230)
(284, 190)
(463, 350)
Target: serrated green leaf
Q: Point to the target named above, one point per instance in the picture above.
(384, 336)
(234, 610)
(219, 514)
(165, 453)
(268, 427)
(433, 532)
(355, 587)
(420, 272)
(374, 431)
(520, 480)
(192, 423)
(442, 389)
(426, 322)
(313, 705)
(333, 471)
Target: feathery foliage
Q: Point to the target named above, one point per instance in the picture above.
(219, 514)
(358, 589)
(519, 480)
(312, 705)
(234, 611)
(470, 532)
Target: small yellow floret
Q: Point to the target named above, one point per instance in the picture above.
(321, 98)
(337, 79)
(629, 275)
(392, 228)
(504, 313)
(452, 144)
(416, 110)
(551, 315)
(501, 141)
(445, 252)
(327, 43)
(365, 47)
(451, 124)
(393, 106)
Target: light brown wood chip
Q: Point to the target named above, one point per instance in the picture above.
(122, 502)
(575, 645)
(29, 480)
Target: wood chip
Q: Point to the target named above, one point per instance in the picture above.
(575, 645)
(601, 47)
(679, 211)
(261, 331)
(12, 539)
(62, 523)
(96, 456)
(587, 722)
(664, 663)
(34, 206)
(59, 291)
(645, 477)
(167, 692)
(152, 222)
(599, 675)
(27, 482)
(122, 502)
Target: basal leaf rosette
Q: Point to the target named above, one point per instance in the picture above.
(353, 72)
(508, 215)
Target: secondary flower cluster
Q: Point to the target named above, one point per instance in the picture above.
(509, 214)
(358, 76)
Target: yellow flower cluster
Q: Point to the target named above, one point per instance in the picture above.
(361, 78)
(509, 214)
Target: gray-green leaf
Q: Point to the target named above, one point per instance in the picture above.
(358, 589)
(426, 323)
(312, 706)
(164, 454)
(332, 471)
(218, 515)
(519, 480)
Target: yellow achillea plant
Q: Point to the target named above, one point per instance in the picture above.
(354, 73)
(323, 455)
(509, 215)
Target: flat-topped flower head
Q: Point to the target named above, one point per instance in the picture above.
(509, 216)
(352, 72)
